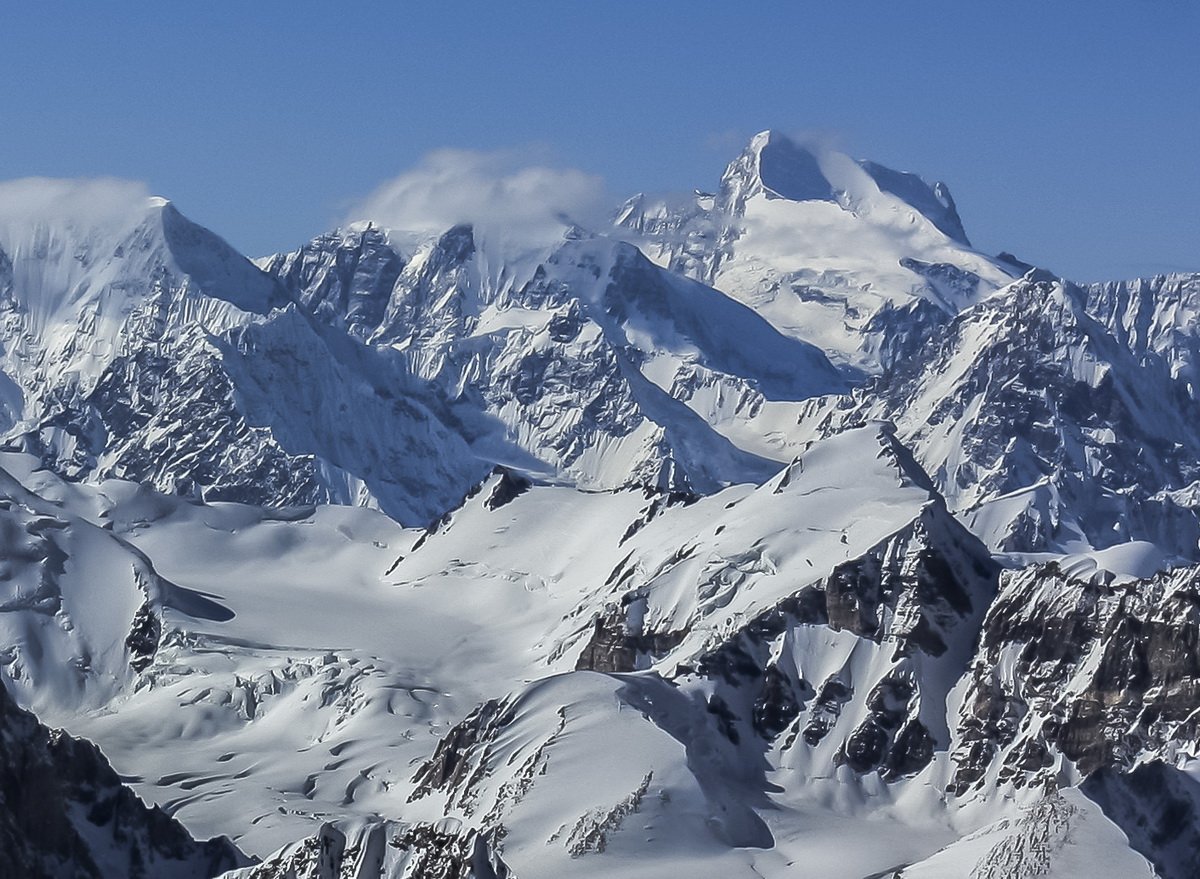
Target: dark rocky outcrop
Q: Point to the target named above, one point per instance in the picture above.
(1102, 672)
(508, 488)
(343, 278)
(385, 850)
(448, 768)
(918, 592)
(616, 646)
(65, 812)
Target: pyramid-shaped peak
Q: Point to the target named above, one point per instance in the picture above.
(779, 166)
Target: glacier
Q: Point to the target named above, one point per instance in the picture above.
(773, 530)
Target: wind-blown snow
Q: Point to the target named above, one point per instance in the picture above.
(490, 537)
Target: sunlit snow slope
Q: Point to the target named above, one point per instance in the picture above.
(770, 532)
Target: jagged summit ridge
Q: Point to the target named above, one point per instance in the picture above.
(155, 317)
(1042, 428)
(773, 529)
(595, 323)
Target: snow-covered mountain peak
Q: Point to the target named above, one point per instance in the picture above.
(100, 248)
(784, 518)
(934, 201)
(778, 167)
(212, 264)
(775, 166)
(95, 272)
(103, 203)
(827, 248)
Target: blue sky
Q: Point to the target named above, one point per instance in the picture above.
(1068, 131)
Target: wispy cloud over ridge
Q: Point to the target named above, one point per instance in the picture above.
(504, 194)
(95, 202)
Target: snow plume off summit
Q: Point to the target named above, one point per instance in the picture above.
(510, 530)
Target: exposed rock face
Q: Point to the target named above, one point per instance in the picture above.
(1157, 319)
(449, 769)
(913, 599)
(508, 488)
(446, 850)
(1038, 425)
(1102, 673)
(173, 422)
(849, 658)
(64, 812)
(113, 341)
(618, 646)
(579, 352)
(140, 349)
(145, 634)
(344, 278)
(383, 850)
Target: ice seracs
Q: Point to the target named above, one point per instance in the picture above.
(65, 812)
(769, 531)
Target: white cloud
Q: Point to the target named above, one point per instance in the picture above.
(502, 194)
(98, 202)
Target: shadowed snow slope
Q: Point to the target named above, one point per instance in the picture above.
(64, 812)
(765, 533)
(334, 683)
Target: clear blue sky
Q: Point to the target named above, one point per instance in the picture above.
(1069, 131)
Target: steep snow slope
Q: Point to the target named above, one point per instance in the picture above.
(64, 812)
(602, 368)
(75, 280)
(1041, 428)
(78, 294)
(755, 679)
(1062, 836)
(1156, 805)
(822, 653)
(81, 609)
(679, 800)
(821, 245)
(141, 346)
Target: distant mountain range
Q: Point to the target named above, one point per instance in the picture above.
(770, 531)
